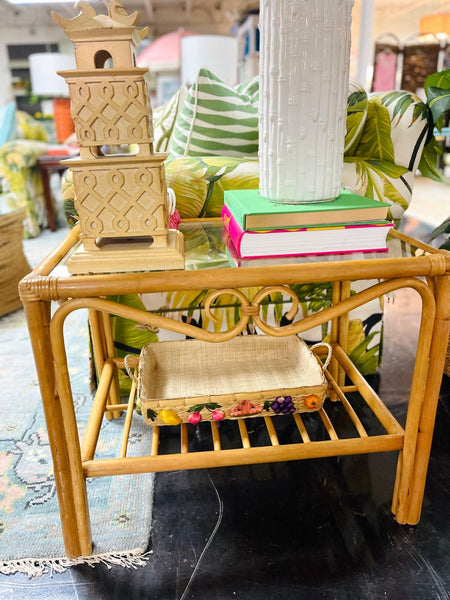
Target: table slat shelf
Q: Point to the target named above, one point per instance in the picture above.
(247, 453)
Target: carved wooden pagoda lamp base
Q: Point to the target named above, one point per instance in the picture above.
(121, 199)
(120, 255)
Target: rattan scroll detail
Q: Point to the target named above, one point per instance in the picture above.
(294, 328)
(251, 309)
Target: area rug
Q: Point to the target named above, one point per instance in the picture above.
(30, 530)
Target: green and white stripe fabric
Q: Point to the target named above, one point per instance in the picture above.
(250, 88)
(216, 120)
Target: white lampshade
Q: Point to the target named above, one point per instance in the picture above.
(218, 53)
(45, 80)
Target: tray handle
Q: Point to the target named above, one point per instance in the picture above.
(131, 362)
(328, 358)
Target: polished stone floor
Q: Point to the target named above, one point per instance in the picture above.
(314, 529)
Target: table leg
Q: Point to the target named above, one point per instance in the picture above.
(49, 208)
(103, 348)
(431, 398)
(114, 393)
(339, 328)
(407, 478)
(343, 326)
(66, 463)
(335, 369)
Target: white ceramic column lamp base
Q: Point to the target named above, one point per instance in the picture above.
(304, 69)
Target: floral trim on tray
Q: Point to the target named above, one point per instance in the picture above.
(281, 405)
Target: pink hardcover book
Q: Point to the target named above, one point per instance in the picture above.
(362, 237)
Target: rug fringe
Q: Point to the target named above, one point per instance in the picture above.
(42, 566)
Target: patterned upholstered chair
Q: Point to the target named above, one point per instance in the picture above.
(20, 180)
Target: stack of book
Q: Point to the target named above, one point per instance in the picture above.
(257, 227)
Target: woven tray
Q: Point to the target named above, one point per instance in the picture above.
(248, 376)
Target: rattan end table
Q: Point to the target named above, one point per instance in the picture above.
(407, 264)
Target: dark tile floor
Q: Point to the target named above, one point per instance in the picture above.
(288, 531)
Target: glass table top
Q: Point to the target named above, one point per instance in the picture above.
(205, 248)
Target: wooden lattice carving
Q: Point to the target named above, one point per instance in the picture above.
(121, 201)
(116, 111)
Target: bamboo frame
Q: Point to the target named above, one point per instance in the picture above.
(241, 456)
(74, 462)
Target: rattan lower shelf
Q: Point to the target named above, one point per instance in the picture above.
(318, 434)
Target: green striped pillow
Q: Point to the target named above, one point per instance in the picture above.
(250, 88)
(216, 120)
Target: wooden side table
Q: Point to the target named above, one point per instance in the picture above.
(47, 165)
(427, 272)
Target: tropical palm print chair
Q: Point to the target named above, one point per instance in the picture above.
(20, 179)
(211, 134)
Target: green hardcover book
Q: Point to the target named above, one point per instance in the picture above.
(253, 211)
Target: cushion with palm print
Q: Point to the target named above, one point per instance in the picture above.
(384, 162)
(199, 183)
(357, 103)
(29, 128)
(409, 125)
(164, 118)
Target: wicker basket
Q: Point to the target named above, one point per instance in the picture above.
(248, 376)
(13, 263)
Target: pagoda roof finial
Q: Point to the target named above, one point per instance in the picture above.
(87, 20)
